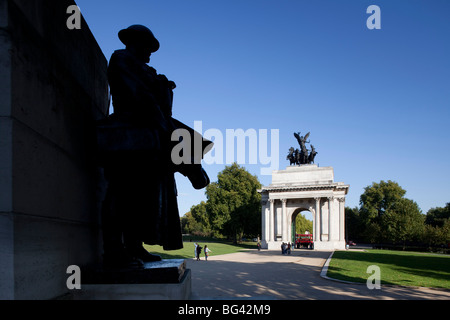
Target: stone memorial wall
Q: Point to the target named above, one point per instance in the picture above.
(53, 86)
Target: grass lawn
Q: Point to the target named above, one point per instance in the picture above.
(217, 248)
(397, 267)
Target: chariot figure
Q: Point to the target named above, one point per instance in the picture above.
(291, 157)
(304, 151)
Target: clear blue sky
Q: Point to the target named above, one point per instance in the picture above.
(377, 102)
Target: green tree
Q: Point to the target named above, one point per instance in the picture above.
(200, 215)
(302, 224)
(184, 223)
(234, 205)
(386, 216)
(188, 224)
(373, 233)
(377, 198)
(444, 233)
(437, 226)
(437, 217)
(196, 221)
(431, 235)
(353, 224)
(403, 222)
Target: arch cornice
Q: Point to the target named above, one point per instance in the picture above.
(330, 187)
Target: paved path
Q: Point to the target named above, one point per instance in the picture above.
(269, 275)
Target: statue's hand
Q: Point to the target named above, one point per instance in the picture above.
(170, 84)
(162, 77)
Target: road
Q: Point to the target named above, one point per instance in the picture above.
(268, 275)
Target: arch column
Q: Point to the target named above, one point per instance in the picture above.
(264, 220)
(330, 224)
(271, 220)
(341, 219)
(283, 220)
(317, 221)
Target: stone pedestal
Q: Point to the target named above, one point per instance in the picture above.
(163, 280)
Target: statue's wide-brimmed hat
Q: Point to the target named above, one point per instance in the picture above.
(139, 34)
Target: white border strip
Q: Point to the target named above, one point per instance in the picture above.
(324, 271)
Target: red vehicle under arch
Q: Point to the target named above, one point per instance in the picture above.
(304, 241)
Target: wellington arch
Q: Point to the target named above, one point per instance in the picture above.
(300, 188)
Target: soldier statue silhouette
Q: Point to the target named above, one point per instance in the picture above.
(135, 146)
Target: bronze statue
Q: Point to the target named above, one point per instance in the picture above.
(302, 156)
(302, 142)
(135, 148)
(291, 156)
(313, 154)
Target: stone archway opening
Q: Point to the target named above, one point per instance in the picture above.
(302, 223)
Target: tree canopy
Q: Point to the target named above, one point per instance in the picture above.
(232, 209)
(302, 224)
(437, 217)
(378, 198)
(386, 216)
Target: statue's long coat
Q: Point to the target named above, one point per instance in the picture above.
(143, 186)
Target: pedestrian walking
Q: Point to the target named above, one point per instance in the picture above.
(207, 251)
(195, 250)
(199, 251)
(283, 248)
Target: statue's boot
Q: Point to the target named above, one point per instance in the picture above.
(120, 259)
(143, 255)
(115, 255)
